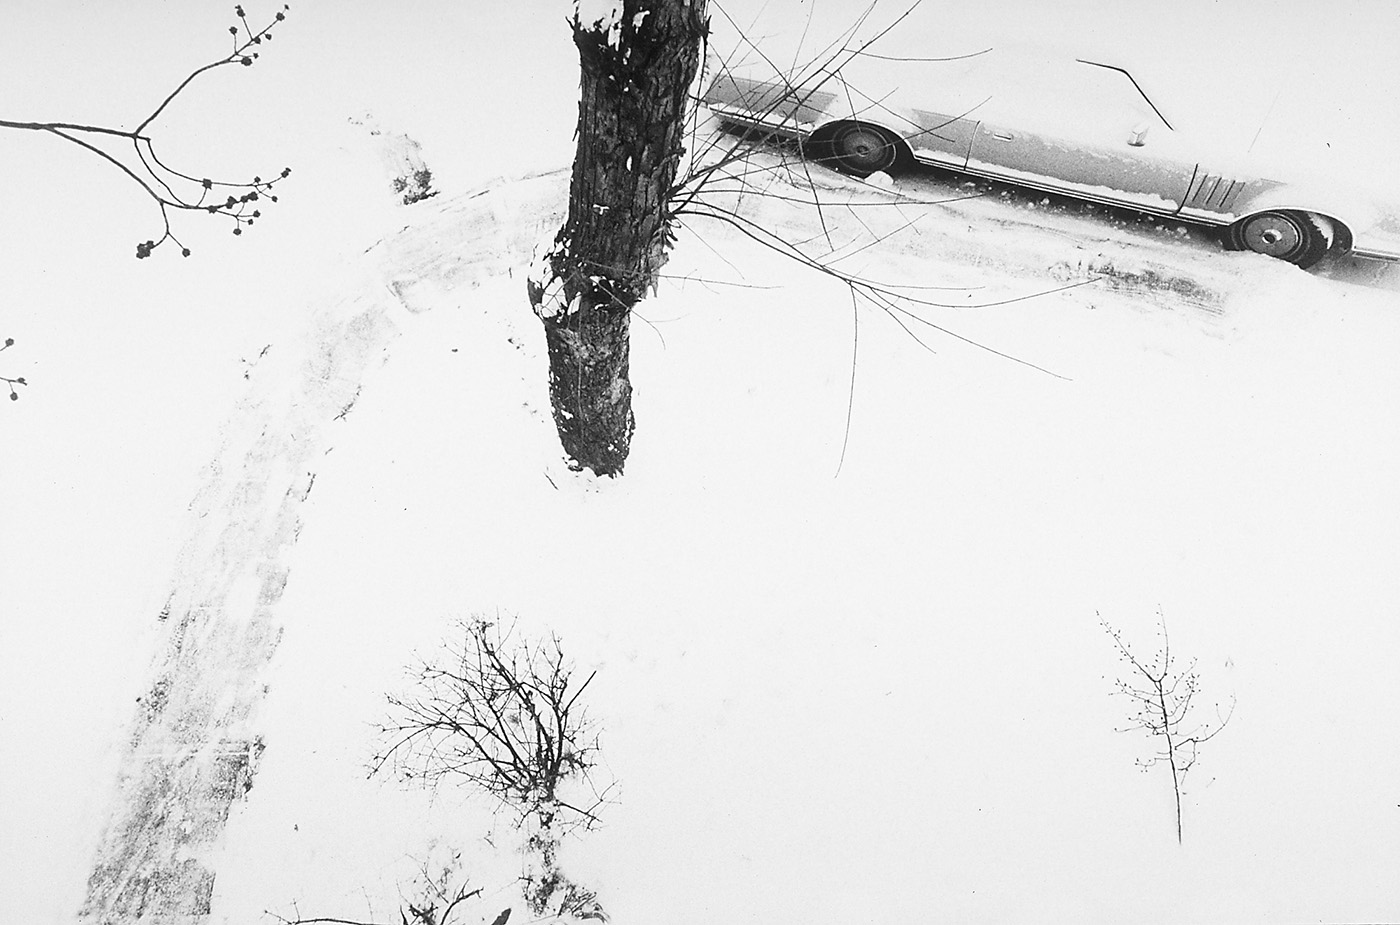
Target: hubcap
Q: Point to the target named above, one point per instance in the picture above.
(1273, 234)
(862, 149)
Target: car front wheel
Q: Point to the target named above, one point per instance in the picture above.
(1301, 238)
(861, 150)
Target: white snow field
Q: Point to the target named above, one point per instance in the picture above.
(847, 673)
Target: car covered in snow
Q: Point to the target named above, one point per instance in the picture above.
(1080, 128)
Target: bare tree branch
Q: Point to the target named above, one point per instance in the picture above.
(239, 201)
(725, 172)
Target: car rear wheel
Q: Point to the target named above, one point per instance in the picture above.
(1301, 238)
(861, 150)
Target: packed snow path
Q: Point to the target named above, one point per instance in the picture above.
(194, 746)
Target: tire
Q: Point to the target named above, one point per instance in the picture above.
(860, 150)
(1301, 238)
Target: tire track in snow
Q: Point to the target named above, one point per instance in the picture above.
(194, 744)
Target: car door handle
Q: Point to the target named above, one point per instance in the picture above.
(1002, 134)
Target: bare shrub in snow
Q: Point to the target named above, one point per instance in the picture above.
(505, 715)
(11, 383)
(1162, 697)
(135, 153)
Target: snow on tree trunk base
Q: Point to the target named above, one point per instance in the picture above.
(589, 390)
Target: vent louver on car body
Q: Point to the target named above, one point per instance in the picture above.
(1213, 192)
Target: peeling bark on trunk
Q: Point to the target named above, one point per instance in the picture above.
(638, 60)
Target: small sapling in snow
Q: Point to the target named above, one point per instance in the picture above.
(1162, 697)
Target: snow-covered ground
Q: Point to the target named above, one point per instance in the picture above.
(832, 689)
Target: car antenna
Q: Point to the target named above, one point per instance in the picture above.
(1268, 112)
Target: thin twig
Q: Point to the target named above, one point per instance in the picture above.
(157, 179)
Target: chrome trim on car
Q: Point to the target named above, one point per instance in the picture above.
(1203, 217)
(1376, 253)
(767, 103)
(749, 120)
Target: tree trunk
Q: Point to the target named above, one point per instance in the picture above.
(638, 60)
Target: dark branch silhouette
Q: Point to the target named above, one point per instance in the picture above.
(170, 189)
